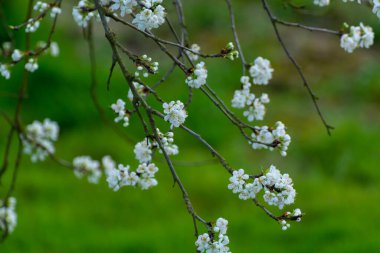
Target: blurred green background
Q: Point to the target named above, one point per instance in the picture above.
(337, 178)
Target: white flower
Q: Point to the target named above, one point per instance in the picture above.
(140, 90)
(202, 242)
(167, 141)
(17, 55)
(348, 43)
(147, 19)
(55, 11)
(82, 17)
(125, 6)
(219, 243)
(38, 140)
(143, 151)
(40, 6)
(196, 49)
(221, 226)
(85, 166)
(367, 36)
(119, 109)
(265, 138)
(198, 78)
(31, 65)
(257, 110)
(54, 49)
(4, 71)
(108, 164)
(359, 36)
(114, 178)
(8, 215)
(322, 3)
(376, 8)
(32, 26)
(237, 180)
(175, 113)
(147, 173)
(279, 189)
(261, 71)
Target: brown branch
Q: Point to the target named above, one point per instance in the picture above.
(296, 66)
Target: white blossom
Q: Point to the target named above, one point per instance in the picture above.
(55, 11)
(140, 90)
(167, 141)
(8, 215)
(81, 16)
(198, 78)
(359, 36)
(54, 49)
(144, 176)
(4, 71)
(278, 188)
(148, 19)
(31, 65)
(175, 113)
(108, 164)
(125, 6)
(32, 25)
(17, 55)
(275, 138)
(147, 173)
(146, 66)
(220, 242)
(84, 166)
(38, 139)
(261, 71)
(376, 8)
(143, 151)
(40, 6)
(196, 49)
(322, 3)
(119, 109)
(243, 97)
(237, 181)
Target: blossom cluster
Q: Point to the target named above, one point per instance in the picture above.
(144, 176)
(85, 166)
(145, 62)
(83, 13)
(147, 14)
(34, 23)
(295, 215)
(141, 90)
(144, 149)
(196, 49)
(4, 71)
(271, 138)
(376, 8)
(120, 110)
(124, 6)
(152, 15)
(175, 113)
(219, 243)
(38, 140)
(43, 7)
(8, 215)
(278, 188)
(198, 77)
(323, 3)
(261, 71)
(244, 98)
(32, 63)
(359, 36)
